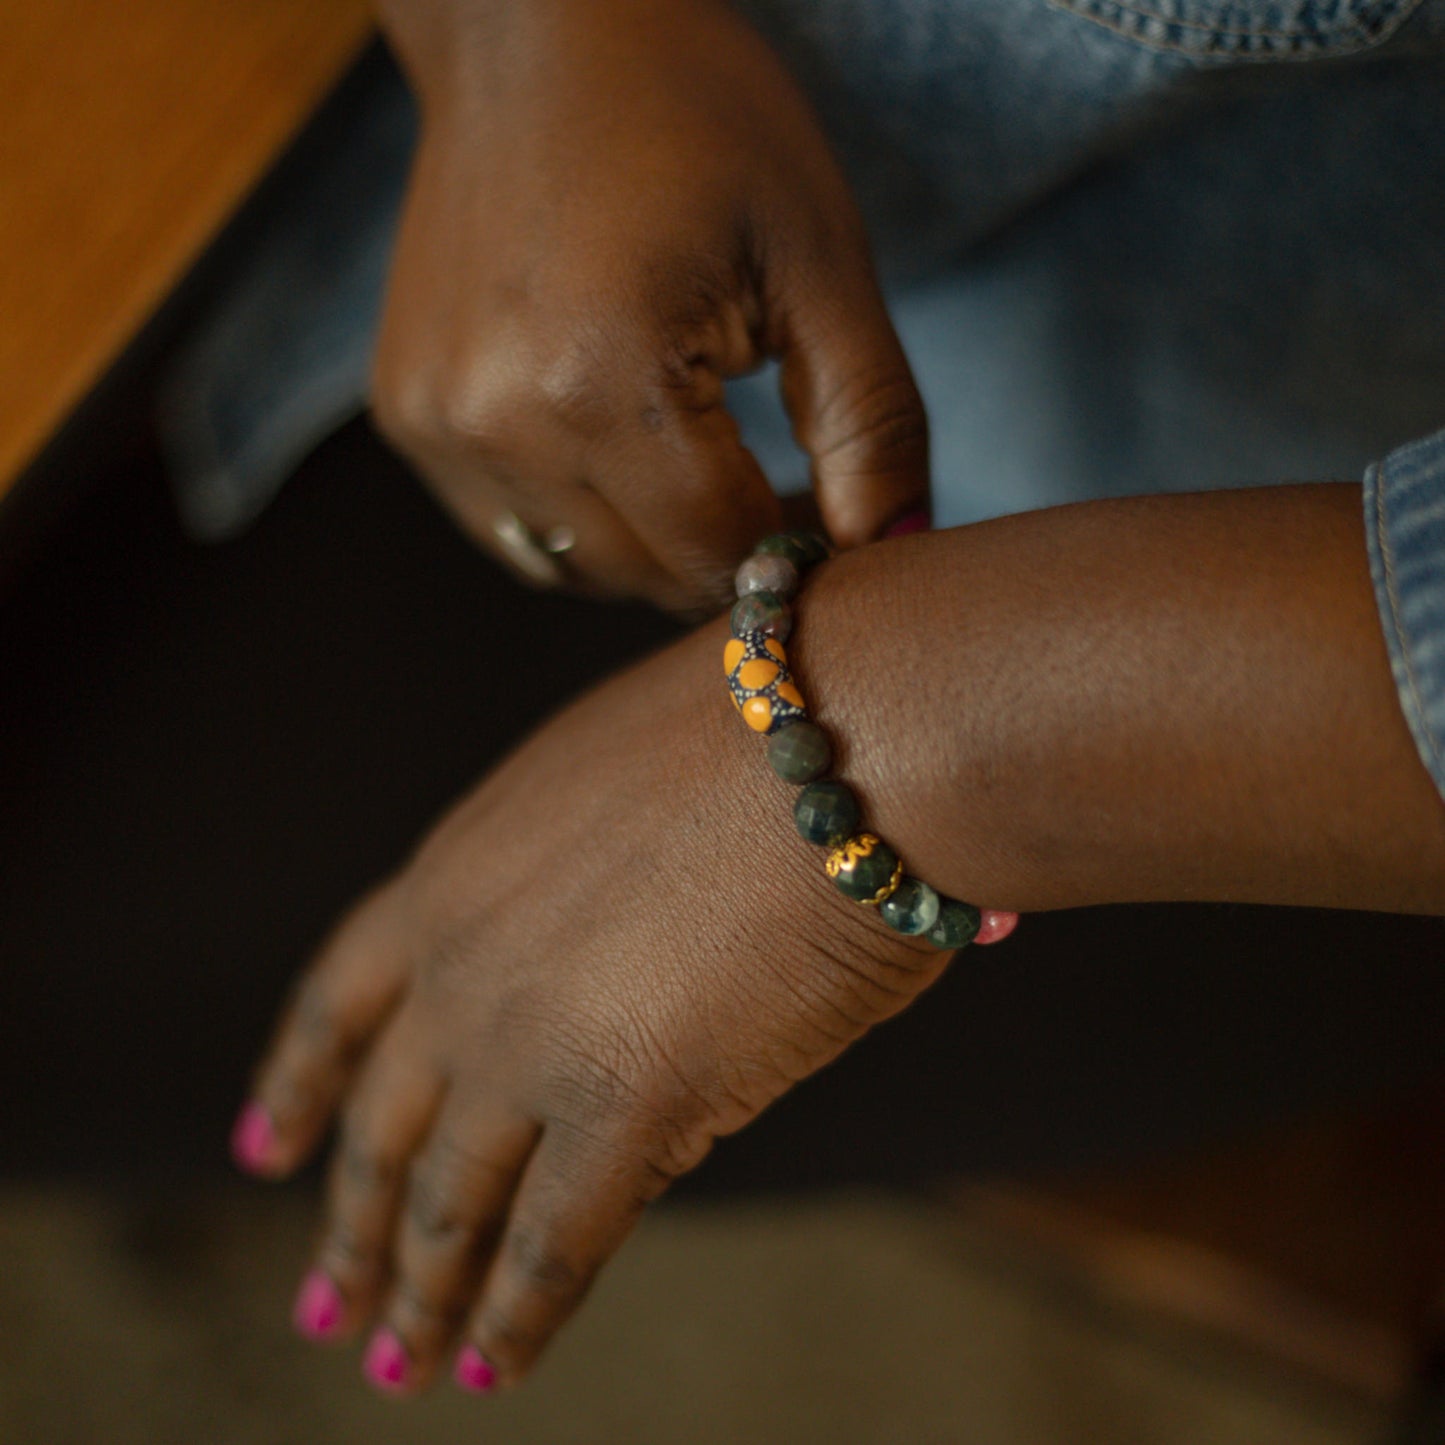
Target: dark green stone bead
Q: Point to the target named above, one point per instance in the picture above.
(761, 612)
(800, 752)
(826, 813)
(868, 875)
(912, 908)
(786, 544)
(957, 924)
(814, 546)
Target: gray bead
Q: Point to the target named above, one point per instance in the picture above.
(826, 813)
(761, 612)
(761, 573)
(912, 908)
(800, 752)
(957, 925)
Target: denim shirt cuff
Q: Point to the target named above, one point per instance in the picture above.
(1405, 530)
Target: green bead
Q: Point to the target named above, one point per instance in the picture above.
(957, 925)
(912, 908)
(800, 752)
(761, 612)
(826, 813)
(814, 546)
(863, 868)
(786, 544)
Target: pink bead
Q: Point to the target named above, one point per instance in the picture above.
(917, 521)
(996, 925)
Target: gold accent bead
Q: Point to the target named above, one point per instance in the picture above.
(887, 890)
(843, 858)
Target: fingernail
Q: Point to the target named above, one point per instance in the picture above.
(995, 925)
(386, 1364)
(473, 1373)
(318, 1309)
(916, 521)
(252, 1139)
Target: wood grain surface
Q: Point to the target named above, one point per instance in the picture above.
(129, 132)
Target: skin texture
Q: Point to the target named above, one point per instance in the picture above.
(617, 949)
(616, 205)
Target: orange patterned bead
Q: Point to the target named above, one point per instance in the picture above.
(761, 685)
(758, 714)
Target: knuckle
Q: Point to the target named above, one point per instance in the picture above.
(452, 1190)
(345, 1254)
(543, 1268)
(508, 1342)
(441, 1188)
(420, 1312)
(431, 1207)
(571, 385)
(472, 413)
(365, 1164)
(876, 411)
(677, 1148)
(474, 408)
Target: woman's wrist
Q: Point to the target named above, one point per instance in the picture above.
(437, 40)
(1156, 698)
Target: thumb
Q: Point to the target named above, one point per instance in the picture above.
(855, 407)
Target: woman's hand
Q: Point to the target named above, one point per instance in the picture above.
(616, 205)
(615, 950)
(618, 949)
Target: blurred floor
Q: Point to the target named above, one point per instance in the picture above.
(851, 1319)
(205, 753)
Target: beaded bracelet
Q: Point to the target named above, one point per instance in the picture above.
(863, 867)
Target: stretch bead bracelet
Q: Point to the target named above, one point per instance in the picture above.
(861, 864)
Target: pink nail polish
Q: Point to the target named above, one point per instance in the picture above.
(995, 926)
(252, 1139)
(318, 1310)
(916, 521)
(386, 1364)
(473, 1373)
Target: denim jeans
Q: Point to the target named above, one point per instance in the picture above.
(1130, 246)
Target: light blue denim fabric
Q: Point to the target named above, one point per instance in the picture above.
(284, 358)
(1130, 245)
(1405, 524)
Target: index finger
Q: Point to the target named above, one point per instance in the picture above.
(339, 1005)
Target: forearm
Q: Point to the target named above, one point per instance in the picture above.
(1161, 698)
